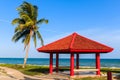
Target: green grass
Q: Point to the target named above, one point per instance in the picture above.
(29, 70)
(114, 70)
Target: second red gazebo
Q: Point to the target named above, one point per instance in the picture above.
(74, 44)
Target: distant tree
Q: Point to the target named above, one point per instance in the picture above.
(27, 26)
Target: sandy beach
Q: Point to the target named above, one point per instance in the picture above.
(12, 74)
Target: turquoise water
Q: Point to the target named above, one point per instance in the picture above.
(62, 62)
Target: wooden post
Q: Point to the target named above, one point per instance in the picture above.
(98, 63)
(77, 61)
(57, 61)
(51, 63)
(72, 64)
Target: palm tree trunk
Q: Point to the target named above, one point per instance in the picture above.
(27, 50)
(26, 56)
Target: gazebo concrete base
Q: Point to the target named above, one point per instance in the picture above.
(82, 76)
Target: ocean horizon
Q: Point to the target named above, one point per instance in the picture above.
(62, 61)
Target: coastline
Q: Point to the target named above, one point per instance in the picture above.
(62, 61)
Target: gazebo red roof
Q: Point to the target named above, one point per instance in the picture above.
(75, 43)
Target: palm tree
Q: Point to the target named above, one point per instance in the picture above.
(27, 26)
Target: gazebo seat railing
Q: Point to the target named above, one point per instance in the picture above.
(85, 70)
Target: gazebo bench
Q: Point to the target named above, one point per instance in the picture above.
(85, 70)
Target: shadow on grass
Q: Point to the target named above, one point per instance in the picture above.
(111, 70)
(39, 70)
(44, 70)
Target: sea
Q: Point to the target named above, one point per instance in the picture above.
(62, 62)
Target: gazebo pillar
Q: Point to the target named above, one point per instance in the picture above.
(77, 61)
(72, 64)
(57, 61)
(51, 63)
(98, 63)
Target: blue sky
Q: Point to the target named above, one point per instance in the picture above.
(96, 19)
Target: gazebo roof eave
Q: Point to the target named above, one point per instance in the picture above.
(76, 51)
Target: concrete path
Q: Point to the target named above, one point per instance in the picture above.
(12, 74)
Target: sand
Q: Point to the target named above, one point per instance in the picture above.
(12, 74)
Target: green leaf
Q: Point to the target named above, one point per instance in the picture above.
(15, 21)
(42, 21)
(34, 38)
(40, 37)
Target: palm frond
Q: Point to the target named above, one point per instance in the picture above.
(17, 29)
(42, 20)
(15, 37)
(23, 7)
(35, 13)
(40, 37)
(23, 40)
(16, 20)
(25, 16)
(34, 38)
(26, 8)
(27, 39)
(18, 35)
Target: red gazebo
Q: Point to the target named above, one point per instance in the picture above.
(74, 44)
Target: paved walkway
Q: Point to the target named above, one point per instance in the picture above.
(12, 74)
